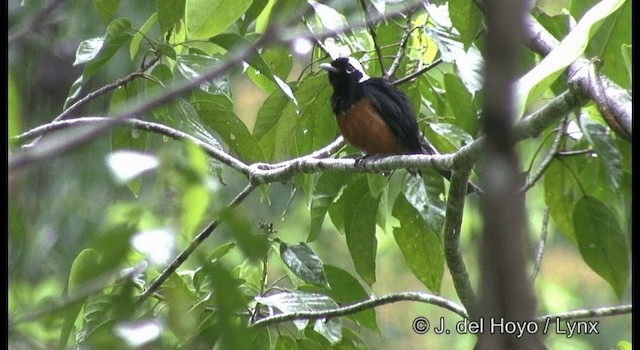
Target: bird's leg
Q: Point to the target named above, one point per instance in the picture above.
(360, 162)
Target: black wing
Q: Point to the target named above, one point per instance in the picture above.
(395, 108)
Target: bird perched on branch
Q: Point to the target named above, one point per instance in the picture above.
(373, 115)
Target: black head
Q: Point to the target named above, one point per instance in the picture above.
(344, 71)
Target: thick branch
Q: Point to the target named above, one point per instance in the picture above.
(505, 290)
(364, 305)
(454, 212)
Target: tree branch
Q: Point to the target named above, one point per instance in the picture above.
(258, 173)
(372, 32)
(610, 98)
(548, 158)
(182, 257)
(363, 305)
(403, 45)
(541, 244)
(591, 313)
(453, 222)
(418, 72)
(140, 125)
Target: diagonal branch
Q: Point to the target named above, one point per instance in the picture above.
(180, 259)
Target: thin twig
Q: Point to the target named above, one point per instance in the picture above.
(403, 45)
(574, 153)
(541, 244)
(418, 73)
(373, 34)
(555, 146)
(94, 94)
(118, 83)
(364, 305)
(180, 259)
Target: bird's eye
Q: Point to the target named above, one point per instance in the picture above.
(350, 69)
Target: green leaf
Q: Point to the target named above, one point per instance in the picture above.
(229, 41)
(296, 301)
(88, 50)
(539, 79)
(14, 108)
(229, 301)
(614, 32)
(304, 263)
(106, 8)
(194, 204)
(466, 18)
(169, 13)
(623, 345)
(134, 46)
(425, 194)
(285, 343)
(360, 228)
(96, 52)
(267, 118)
(330, 18)
(602, 244)
(560, 196)
(419, 245)
(161, 76)
(193, 66)
(206, 18)
(447, 138)
(316, 126)
(262, 21)
(325, 192)
(628, 62)
(279, 61)
(200, 275)
(345, 289)
(605, 146)
(228, 126)
(83, 270)
(256, 8)
(240, 224)
(461, 102)
(118, 32)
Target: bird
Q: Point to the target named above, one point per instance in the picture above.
(373, 115)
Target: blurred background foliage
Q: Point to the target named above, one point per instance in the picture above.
(75, 230)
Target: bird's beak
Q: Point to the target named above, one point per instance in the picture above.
(329, 68)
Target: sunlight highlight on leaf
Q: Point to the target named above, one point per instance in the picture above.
(156, 245)
(127, 165)
(137, 334)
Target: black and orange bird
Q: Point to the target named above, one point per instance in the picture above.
(373, 115)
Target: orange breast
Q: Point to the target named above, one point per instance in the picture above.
(363, 127)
